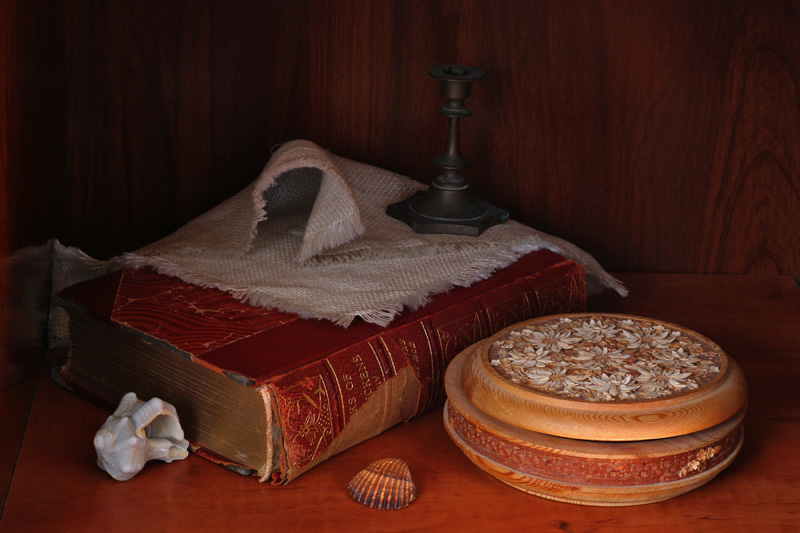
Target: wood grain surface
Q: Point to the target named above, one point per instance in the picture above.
(601, 421)
(57, 485)
(658, 136)
(587, 472)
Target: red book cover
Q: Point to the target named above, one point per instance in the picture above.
(324, 388)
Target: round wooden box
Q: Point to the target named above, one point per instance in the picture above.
(597, 409)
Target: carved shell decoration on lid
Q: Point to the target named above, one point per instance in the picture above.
(605, 358)
(384, 484)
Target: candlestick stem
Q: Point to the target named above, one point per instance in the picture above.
(449, 205)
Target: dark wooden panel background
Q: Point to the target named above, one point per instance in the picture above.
(659, 136)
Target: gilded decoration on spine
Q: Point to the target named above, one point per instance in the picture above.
(515, 308)
(459, 333)
(307, 422)
(553, 297)
(410, 346)
(315, 409)
(605, 359)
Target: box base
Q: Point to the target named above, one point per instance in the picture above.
(583, 471)
(592, 495)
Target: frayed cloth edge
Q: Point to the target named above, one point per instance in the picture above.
(382, 316)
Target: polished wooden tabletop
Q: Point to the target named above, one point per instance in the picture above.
(756, 319)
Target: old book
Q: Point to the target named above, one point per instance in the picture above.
(268, 393)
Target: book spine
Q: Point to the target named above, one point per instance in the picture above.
(353, 394)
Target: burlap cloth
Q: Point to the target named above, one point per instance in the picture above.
(311, 236)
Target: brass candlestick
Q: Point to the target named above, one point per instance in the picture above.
(449, 205)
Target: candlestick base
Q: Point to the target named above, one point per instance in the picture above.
(443, 210)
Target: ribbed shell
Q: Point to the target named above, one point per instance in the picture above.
(384, 484)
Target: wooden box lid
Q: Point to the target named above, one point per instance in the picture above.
(604, 378)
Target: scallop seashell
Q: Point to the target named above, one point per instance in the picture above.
(384, 484)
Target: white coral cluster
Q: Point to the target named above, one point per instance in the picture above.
(138, 432)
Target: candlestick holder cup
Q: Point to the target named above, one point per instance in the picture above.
(449, 205)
